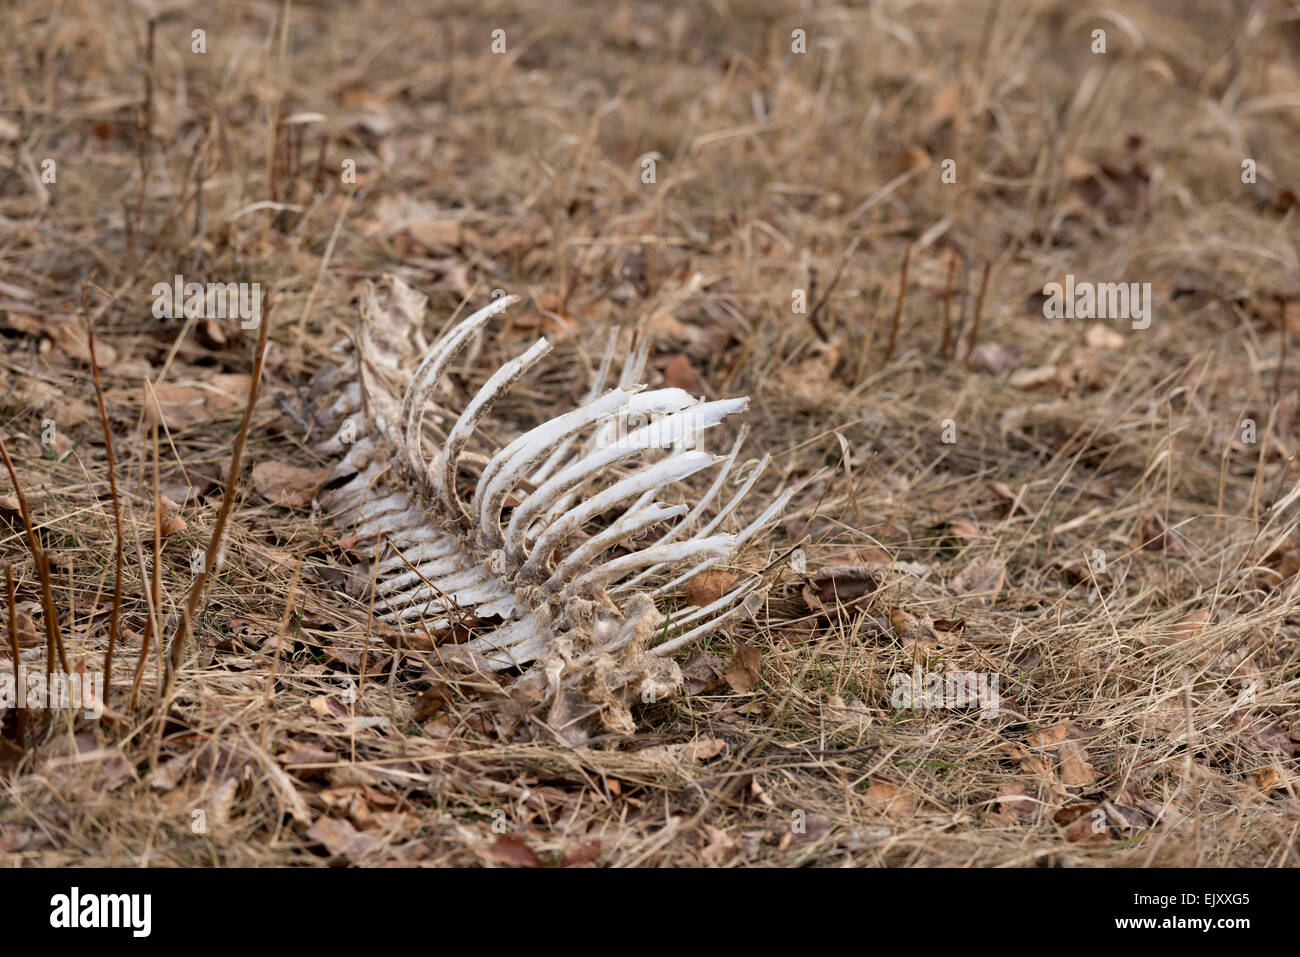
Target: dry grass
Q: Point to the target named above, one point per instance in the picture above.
(1157, 697)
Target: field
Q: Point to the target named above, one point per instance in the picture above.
(883, 222)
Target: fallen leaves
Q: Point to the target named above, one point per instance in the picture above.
(679, 373)
(1153, 536)
(341, 839)
(436, 235)
(837, 585)
(512, 851)
(982, 578)
(889, 800)
(1014, 804)
(70, 338)
(1277, 562)
(1102, 337)
(1260, 735)
(991, 358)
(183, 404)
(1064, 738)
(697, 341)
(1073, 766)
(28, 637)
(703, 673)
(812, 381)
(708, 586)
(694, 751)
(1084, 823)
(808, 829)
(172, 523)
(289, 485)
(743, 673)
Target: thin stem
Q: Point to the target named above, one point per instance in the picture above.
(53, 633)
(119, 558)
(898, 309)
(182, 636)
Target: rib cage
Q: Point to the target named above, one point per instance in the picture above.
(500, 558)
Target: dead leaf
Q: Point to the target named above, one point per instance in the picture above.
(991, 358)
(1014, 804)
(965, 531)
(70, 339)
(813, 380)
(289, 485)
(512, 851)
(27, 634)
(1287, 566)
(843, 583)
(1102, 337)
(1266, 779)
(172, 523)
(70, 761)
(688, 752)
(703, 673)
(983, 578)
(700, 343)
(580, 855)
(890, 800)
(1034, 378)
(183, 404)
(743, 673)
(341, 839)
(722, 847)
(302, 757)
(1084, 823)
(903, 622)
(946, 104)
(680, 374)
(436, 235)
(15, 839)
(435, 698)
(1259, 735)
(1153, 536)
(1192, 625)
(221, 803)
(708, 586)
(810, 830)
(1074, 768)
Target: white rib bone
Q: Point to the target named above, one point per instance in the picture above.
(713, 523)
(666, 431)
(444, 475)
(654, 476)
(719, 546)
(626, 526)
(769, 513)
(429, 373)
(695, 634)
(597, 385)
(415, 556)
(709, 494)
(508, 465)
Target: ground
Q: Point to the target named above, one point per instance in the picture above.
(851, 214)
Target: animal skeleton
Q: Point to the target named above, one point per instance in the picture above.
(583, 618)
